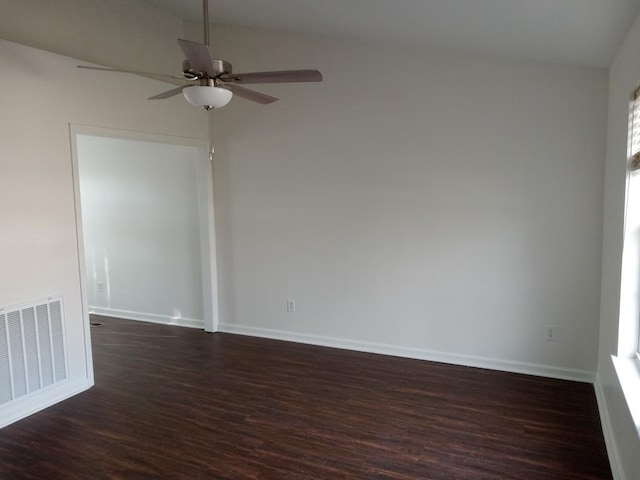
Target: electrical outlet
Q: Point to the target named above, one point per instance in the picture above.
(291, 305)
(100, 287)
(551, 333)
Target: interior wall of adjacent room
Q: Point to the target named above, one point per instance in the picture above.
(418, 202)
(39, 247)
(141, 223)
(624, 77)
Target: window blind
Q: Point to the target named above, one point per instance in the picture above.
(635, 132)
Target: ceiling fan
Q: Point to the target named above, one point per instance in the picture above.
(210, 83)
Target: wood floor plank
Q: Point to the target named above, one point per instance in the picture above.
(178, 403)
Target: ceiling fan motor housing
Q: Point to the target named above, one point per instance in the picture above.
(219, 67)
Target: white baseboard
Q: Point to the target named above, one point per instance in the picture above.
(417, 353)
(148, 317)
(607, 430)
(28, 405)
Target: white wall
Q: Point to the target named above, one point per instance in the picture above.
(43, 94)
(421, 203)
(141, 223)
(620, 430)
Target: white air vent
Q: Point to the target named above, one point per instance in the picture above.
(32, 348)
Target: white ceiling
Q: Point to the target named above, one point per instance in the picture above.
(584, 32)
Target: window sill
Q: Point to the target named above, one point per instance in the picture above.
(628, 370)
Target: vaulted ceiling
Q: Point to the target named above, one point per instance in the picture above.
(583, 32)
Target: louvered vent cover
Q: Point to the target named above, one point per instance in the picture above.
(32, 348)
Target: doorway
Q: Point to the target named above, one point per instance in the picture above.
(145, 227)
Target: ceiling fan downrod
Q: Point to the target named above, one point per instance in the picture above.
(205, 14)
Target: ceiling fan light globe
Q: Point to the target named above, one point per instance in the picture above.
(205, 96)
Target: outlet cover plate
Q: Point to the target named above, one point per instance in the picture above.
(291, 305)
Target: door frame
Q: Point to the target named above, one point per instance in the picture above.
(206, 209)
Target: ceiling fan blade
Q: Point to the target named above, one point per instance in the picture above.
(169, 93)
(249, 94)
(158, 76)
(283, 76)
(199, 56)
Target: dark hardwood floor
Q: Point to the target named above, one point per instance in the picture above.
(173, 402)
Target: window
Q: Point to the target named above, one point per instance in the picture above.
(629, 342)
(634, 130)
(627, 362)
(632, 208)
